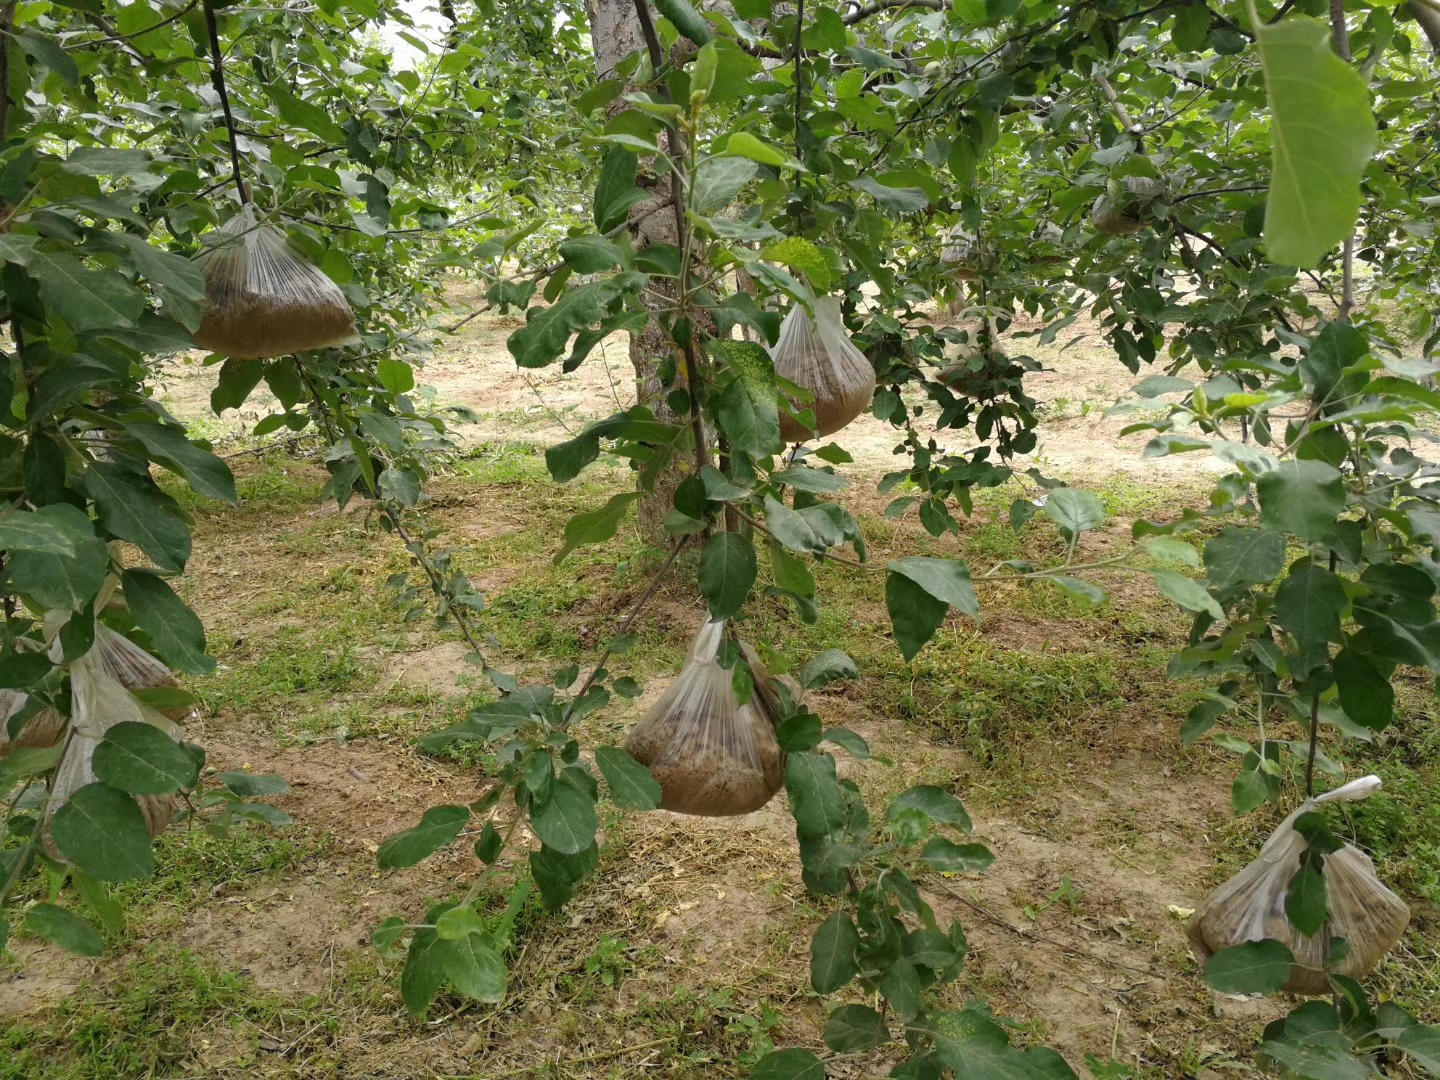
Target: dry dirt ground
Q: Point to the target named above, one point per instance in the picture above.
(686, 955)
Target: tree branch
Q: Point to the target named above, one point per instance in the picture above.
(1347, 257)
(860, 14)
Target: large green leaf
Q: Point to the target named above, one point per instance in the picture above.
(439, 826)
(172, 448)
(104, 833)
(86, 299)
(631, 785)
(1309, 604)
(557, 874)
(1189, 594)
(596, 526)
(915, 615)
(134, 509)
(746, 406)
(1322, 136)
(952, 858)
(947, 580)
(66, 929)
(1301, 497)
(143, 760)
(1235, 557)
(541, 340)
(424, 972)
(852, 1028)
(473, 966)
(832, 953)
(1075, 511)
(1305, 900)
(935, 803)
(615, 191)
(304, 114)
(817, 801)
(718, 180)
(56, 581)
(176, 630)
(567, 821)
(39, 530)
(727, 572)
(1257, 967)
(1366, 695)
(589, 254)
(686, 19)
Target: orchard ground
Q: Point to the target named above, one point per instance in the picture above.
(687, 953)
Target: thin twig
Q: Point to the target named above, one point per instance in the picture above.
(217, 80)
(1121, 113)
(645, 597)
(1347, 257)
(109, 38)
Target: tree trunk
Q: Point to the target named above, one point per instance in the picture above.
(615, 33)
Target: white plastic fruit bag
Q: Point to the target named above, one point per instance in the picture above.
(817, 355)
(711, 755)
(1251, 905)
(99, 702)
(263, 299)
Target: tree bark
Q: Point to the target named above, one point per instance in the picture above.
(614, 34)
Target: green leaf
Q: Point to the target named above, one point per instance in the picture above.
(21, 670)
(176, 631)
(132, 508)
(811, 481)
(396, 376)
(424, 972)
(1309, 603)
(904, 200)
(718, 180)
(900, 985)
(1237, 557)
(631, 785)
(832, 953)
(915, 615)
(247, 785)
(947, 580)
(46, 51)
(589, 254)
(1190, 595)
(57, 581)
(1322, 135)
(935, 803)
(1257, 967)
(567, 821)
(65, 929)
(1168, 549)
(854, 1027)
(1077, 588)
(473, 966)
(947, 856)
(746, 405)
(792, 1064)
(172, 448)
(1316, 1061)
(976, 1047)
(727, 572)
(39, 530)
(596, 526)
(1192, 27)
(1366, 695)
(143, 760)
(615, 191)
(1301, 497)
(303, 114)
(439, 826)
(544, 337)
(86, 299)
(1305, 899)
(557, 874)
(686, 19)
(238, 378)
(830, 666)
(800, 255)
(1248, 791)
(817, 801)
(1074, 511)
(103, 832)
(797, 532)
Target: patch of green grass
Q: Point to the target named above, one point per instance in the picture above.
(194, 866)
(155, 1020)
